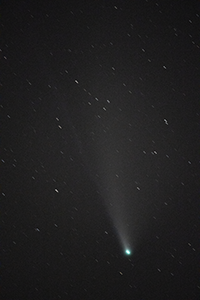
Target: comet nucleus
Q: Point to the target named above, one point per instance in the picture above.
(128, 252)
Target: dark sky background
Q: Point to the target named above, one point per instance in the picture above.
(99, 148)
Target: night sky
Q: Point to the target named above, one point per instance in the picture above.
(100, 150)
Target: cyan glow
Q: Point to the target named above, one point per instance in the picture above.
(128, 252)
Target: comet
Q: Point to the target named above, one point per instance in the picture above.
(128, 252)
